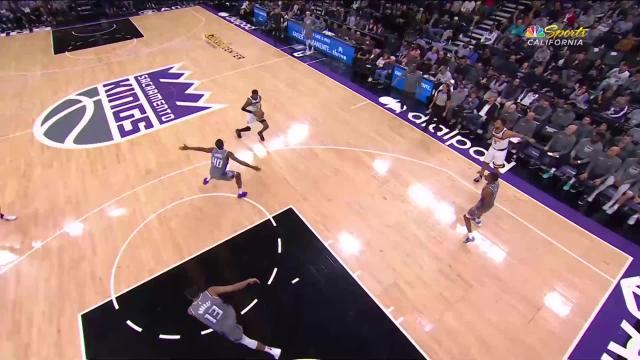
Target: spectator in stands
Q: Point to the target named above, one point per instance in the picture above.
(616, 112)
(602, 165)
(443, 76)
(489, 37)
(517, 28)
(462, 51)
(509, 116)
(585, 128)
(586, 19)
(542, 109)
(526, 126)
(580, 97)
(579, 156)
(557, 149)
(622, 179)
(540, 57)
(627, 145)
(432, 55)
(615, 78)
(510, 92)
(384, 66)
(630, 196)
(563, 116)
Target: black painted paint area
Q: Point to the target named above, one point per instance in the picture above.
(326, 314)
(93, 35)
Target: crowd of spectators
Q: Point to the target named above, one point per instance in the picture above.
(578, 103)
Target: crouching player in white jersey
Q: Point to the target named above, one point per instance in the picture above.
(497, 152)
(219, 316)
(253, 107)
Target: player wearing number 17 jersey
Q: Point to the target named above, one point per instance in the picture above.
(219, 162)
(219, 316)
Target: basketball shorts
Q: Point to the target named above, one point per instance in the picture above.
(477, 211)
(228, 175)
(232, 332)
(253, 120)
(496, 156)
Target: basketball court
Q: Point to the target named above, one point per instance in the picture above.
(384, 199)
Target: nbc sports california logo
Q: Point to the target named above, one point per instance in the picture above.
(122, 109)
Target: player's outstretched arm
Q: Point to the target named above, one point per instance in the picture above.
(219, 290)
(196, 148)
(244, 107)
(233, 157)
(513, 134)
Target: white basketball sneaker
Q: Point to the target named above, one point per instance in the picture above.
(9, 217)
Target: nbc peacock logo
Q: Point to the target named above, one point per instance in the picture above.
(119, 110)
(534, 32)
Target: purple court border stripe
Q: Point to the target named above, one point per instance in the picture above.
(605, 326)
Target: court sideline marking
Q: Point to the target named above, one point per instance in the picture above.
(15, 134)
(598, 307)
(300, 147)
(404, 122)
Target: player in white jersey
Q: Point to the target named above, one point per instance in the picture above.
(497, 152)
(6, 217)
(219, 162)
(219, 316)
(253, 107)
(487, 199)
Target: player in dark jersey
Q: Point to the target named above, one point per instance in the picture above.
(219, 316)
(253, 107)
(219, 162)
(487, 199)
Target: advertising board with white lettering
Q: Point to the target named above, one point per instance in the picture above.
(259, 16)
(327, 45)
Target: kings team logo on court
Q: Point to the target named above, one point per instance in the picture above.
(122, 109)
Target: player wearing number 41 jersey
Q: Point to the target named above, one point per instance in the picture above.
(220, 317)
(219, 162)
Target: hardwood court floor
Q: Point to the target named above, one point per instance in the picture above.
(484, 301)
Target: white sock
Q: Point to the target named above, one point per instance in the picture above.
(273, 351)
(612, 209)
(572, 181)
(250, 343)
(239, 190)
(632, 220)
